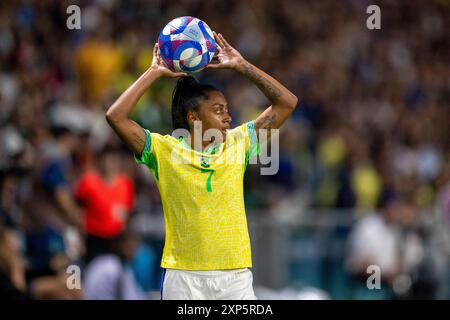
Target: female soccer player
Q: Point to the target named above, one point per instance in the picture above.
(207, 247)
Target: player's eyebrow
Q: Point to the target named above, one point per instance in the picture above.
(220, 104)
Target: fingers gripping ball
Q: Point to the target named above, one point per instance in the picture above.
(187, 44)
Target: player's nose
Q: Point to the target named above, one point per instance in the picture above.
(227, 118)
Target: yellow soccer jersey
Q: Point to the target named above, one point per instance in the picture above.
(202, 195)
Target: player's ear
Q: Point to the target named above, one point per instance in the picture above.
(191, 117)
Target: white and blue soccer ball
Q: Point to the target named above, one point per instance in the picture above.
(187, 44)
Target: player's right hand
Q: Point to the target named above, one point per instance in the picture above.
(159, 66)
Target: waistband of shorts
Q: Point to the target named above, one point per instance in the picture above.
(209, 273)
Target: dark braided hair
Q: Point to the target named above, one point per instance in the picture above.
(186, 97)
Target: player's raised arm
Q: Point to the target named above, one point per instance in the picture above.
(283, 101)
(131, 133)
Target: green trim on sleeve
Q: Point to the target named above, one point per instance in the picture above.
(140, 159)
(254, 148)
(148, 141)
(252, 152)
(153, 165)
(147, 157)
(252, 133)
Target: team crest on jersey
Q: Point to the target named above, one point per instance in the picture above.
(204, 162)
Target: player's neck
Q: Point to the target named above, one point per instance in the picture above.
(200, 147)
(203, 146)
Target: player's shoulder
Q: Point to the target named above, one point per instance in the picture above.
(242, 129)
(161, 138)
(242, 132)
(162, 142)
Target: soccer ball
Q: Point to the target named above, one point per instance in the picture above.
(187, 44)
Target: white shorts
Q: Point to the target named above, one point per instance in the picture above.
(236, 284)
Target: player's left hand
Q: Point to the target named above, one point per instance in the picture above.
(227, 57)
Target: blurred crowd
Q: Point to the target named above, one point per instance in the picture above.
(371, 132)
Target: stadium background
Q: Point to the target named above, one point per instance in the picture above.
(372, 126)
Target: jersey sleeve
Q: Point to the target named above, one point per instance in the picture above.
(245, 134)
(148, 156)
(253, 148)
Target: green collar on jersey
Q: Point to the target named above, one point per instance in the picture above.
(211, 150)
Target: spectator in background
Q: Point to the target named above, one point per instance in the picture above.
(109, 276)
(52, 222)
(98, 61)
(10, 209)
(12, 266)
(386, 90)
(106, 194)
(377, 239)
(13, 279)
(54, 173)
(443, 197)
(443, 233)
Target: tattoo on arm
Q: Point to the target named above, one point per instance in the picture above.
(270, 90)
(138, 141)
(266, 122)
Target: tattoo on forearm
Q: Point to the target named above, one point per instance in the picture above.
(270, 90)
(267, 122)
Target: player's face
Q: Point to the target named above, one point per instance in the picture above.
(214, 114)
